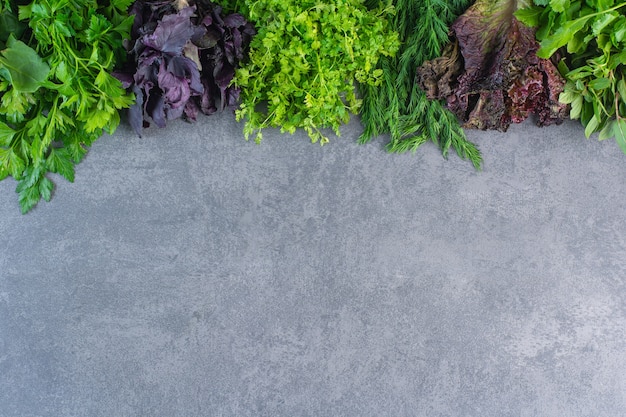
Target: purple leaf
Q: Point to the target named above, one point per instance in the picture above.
(184, 61)
(125, 78)
(490, 75)
(172, 32)
(155, 108)
(176, 90)
(207, 101)
(234, 20)
(184, 68)
(135, 112)
(191, 111)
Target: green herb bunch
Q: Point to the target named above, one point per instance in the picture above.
(57, 95)
(304, 61)
(591, 38)
(398, 106)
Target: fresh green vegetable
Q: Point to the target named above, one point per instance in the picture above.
(591, 37)
(56, 93)
(398, 106)
(304, 61)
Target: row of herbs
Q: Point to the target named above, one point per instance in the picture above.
(415, 70)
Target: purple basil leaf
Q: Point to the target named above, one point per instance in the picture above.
(217, 17)
(234, 20)
(155, 107)
(183, 67)
(223, 75)
(146, 74)
(209, 39)
(167, 50)
(229, 53)
(198, 32)
(173, 113)
(172, 32)
(175, 90)
(237, 44)
(232, 96)
(207, 20)
(125, 78)
(135, 112)
(207, 101)
(249, 30)
(191, 110)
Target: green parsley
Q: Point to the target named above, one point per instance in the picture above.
(304, 62)
(57, 95)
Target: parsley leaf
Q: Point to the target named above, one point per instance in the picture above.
(57, 95)
(304, 63)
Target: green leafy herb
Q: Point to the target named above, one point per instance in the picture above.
(56, 92)
(398, 106)
(590, 36)
(304, 61)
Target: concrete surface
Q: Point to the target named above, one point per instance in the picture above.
(191, 273)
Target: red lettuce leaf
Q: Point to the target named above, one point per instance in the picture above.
(490, 75)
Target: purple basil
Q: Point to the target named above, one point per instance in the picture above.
(182, 61)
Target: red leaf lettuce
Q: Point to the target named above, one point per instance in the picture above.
(490, 75)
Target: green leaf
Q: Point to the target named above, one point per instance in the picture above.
(6, 134)
(604, 4)
(617, 59)
(600, 83)
(11, 164)
(568, 97)
(619, 30)
(561, 37)
(607, 131)
(576, 108)
(45, 188)
(60, 162)
(122, 5)
(619, 130)
(10, 25)
(28, 198)
(28, 187)
(16, 165)
(26, 69)
(576, 43)
(559, 5)
(621, 89)
(602, 21)
(592, 125)
(529, 16)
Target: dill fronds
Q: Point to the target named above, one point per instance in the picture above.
(398, 106)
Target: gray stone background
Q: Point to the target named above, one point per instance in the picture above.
(192, 273)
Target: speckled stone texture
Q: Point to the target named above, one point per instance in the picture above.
(190, 273)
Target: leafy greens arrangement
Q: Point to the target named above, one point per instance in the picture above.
(184, 56)
(490, 75)
(591, 37)
(398, 106)
(57, 95)
(304, 62)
